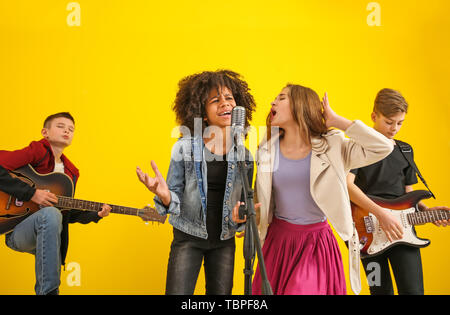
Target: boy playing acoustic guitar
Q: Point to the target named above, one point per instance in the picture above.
(390, 178)
(45, 232)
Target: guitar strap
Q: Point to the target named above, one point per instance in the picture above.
(404, 149)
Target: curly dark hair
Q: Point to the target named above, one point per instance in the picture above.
(194, 89)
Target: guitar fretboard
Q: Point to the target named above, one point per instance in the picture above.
(423, 217)
(78, 204)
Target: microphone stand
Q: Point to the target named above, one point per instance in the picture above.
(251, 239)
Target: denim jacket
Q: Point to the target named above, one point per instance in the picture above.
(188, 185)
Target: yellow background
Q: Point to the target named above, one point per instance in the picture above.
(117, 73)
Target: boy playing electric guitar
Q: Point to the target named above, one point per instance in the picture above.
(390, 178)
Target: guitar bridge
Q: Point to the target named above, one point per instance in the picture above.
(368, 223)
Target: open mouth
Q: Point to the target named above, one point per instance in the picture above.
(273, 112)
(228, 113)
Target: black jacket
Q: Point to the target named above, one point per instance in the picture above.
(15, 186)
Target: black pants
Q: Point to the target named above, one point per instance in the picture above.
(186, 255)
(406, 264)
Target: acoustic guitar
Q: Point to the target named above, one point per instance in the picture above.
(14, 211)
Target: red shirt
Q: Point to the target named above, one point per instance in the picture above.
(39, 155)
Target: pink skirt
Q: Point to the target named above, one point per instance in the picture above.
(302, 259)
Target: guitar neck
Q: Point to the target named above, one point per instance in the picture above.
(78, 204)
(422, 217)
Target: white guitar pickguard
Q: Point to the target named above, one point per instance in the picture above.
(380, 240)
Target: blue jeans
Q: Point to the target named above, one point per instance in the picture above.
(40, 235)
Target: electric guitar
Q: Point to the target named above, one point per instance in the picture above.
(373, 241)
(14, 211)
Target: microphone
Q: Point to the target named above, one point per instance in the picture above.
(237, 129)
(238, 117)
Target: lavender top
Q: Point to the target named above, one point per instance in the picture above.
(292, 194)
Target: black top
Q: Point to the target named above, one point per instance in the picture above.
(217, 177)
(217, 170)
(386, 178)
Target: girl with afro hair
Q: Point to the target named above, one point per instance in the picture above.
(203, 182)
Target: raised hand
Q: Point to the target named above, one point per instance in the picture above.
(331, 118)
(156, 185)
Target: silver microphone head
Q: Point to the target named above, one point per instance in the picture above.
(238, 131)
(238, 117)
